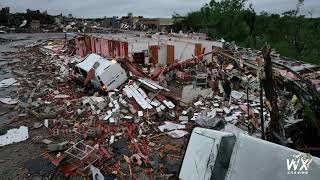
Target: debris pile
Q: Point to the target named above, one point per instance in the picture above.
(109, 117)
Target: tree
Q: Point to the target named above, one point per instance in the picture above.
(276, 124)
(294, 25)
(292, 34)
(250, 18)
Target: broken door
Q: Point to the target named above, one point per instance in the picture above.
(170, 54)
(154, 54)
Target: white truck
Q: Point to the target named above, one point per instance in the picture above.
(217, 155)
(109, 74)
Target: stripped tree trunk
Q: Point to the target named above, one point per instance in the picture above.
(275, 125)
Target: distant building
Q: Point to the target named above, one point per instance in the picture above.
(29, 11)
(131, 21)
(127, 20)
(43, 18)
(4, 15)
(35, 25)
(136, 20)
(159, 24)
(111, 22)
(5, 10)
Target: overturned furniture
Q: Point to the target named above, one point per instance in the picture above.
(105, 74)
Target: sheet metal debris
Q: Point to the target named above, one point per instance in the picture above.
(7, 82)
(9, 101)
(14, 136)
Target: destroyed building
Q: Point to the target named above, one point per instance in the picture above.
(36, 21)
(110, 22)
(144, 50)
(124, 105)
(30, 21)
(157, 24)
(35, 25)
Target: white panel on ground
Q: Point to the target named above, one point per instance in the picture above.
(197, 157)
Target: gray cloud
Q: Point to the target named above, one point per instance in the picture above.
(148, 8)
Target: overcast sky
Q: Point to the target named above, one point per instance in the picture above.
(147, 8)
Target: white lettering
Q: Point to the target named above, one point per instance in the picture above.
(293, 164)
(304, 164)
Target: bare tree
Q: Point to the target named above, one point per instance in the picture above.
(275, 126)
